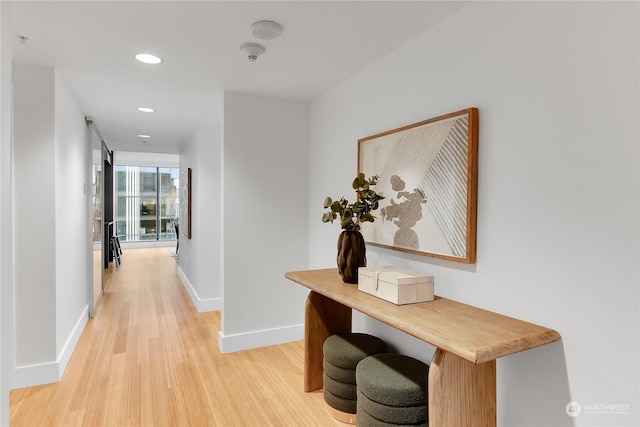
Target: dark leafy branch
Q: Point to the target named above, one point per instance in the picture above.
(352, 214)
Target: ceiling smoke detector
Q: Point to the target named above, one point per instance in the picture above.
(252, 50)
(266, 30)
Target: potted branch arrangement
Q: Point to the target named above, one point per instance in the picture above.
(351, 247)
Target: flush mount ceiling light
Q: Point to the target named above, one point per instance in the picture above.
(146, 110)
(144, 136)
(252, 50)
(147, 58)
(266, 30)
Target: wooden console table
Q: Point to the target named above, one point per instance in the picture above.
(468, 340)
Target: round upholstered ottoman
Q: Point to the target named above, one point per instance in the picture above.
(341, 355)
(392, 391)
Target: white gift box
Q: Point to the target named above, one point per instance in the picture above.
(396, 286)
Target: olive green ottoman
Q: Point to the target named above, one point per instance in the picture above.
(347, 350)
(392, 391)
(337, 403)
(341, 355)
(339, 374)
(364, 419)
(340, 389)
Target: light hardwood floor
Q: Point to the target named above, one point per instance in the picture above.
(148, 358)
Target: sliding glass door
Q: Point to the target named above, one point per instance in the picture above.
(96, 221)
(100, 205)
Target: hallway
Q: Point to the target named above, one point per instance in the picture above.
(148, 358)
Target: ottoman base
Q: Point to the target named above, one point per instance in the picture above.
(344, 417)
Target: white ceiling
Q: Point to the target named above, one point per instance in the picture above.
(92, 44)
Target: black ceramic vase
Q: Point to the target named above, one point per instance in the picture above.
(351, 255)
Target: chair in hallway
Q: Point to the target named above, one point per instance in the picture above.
(114, 247)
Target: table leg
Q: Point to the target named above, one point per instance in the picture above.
(461, 393)
(323, 318)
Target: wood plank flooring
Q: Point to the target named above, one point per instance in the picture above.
(148, 358)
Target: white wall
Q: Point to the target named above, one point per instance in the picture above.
(264, 220)
(70, 212)
(556, 85)
(34, 199)
(199, 257)
(136, 158)
(50, 233)
(6, 215)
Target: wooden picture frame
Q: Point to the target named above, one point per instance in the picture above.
(185, 203)
(428, 173)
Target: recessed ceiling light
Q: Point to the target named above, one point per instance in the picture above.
(146, 110)
(144, 136)
(147, 58)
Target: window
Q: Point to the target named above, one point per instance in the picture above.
(146, 203)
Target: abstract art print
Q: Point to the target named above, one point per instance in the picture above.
(428, 174)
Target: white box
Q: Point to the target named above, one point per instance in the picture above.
(396, 286)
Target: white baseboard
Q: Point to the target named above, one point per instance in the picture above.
(50, 372)
(33, 375)
(148, 244)
(255, 339)
(72, 341)
(202, 305)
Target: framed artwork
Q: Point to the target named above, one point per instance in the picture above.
(185, 203)
(428, 173)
